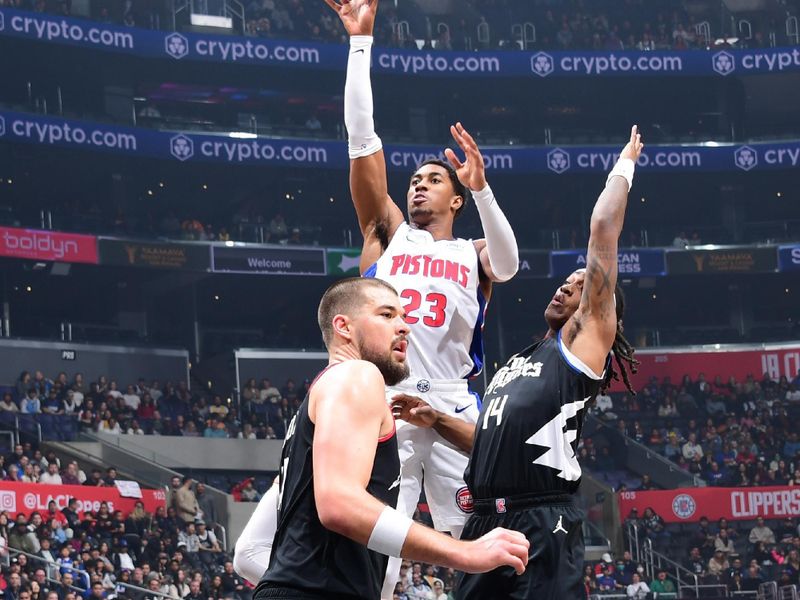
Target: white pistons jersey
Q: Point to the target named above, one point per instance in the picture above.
(439, 287)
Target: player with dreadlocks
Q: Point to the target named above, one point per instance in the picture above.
(523, 472)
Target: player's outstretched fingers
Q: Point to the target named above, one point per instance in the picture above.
(454, 160)
(334, 5)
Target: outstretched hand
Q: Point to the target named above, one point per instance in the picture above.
(633, 148)
(471, 173)
(413, 410)
(357, 16)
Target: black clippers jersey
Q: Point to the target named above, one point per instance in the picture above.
(530, 424)
(305, 555)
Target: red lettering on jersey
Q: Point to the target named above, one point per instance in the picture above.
(397, 262)
(413, 269)
(464, 276)
(427, 266)
(437, 268)
(427, 269)
(451, 271)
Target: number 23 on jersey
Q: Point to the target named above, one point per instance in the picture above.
(432, 307)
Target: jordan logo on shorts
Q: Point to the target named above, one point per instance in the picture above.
(560, 526)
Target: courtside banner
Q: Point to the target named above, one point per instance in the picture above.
(225, 149)
(739, 259)
(789, 258)
(533, 264)
(632, 262)
(37, 244)
(156, 255)
(726, 360)
(260, 260)
(293, 54)
(29, 497)
(688, 505)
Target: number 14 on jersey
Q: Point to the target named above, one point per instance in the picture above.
(495, 410)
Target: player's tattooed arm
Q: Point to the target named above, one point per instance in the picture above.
(592, 329)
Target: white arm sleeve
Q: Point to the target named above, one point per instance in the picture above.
(361, 136)
(501, 244)
(253, 548)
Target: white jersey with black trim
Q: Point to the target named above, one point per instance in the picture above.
(439, 286)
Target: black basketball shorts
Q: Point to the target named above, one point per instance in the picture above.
(555, 562)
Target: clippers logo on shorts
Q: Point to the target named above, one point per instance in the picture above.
(542, 64)
(558, 160)
(423, 386)
(746, 158)
(464, 500)
(684, 506)
(177, 46)
(723, 63)
(181, 147)
(500, 505)
(8, 501)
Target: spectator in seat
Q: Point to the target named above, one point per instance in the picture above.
(95, 479)
(716, 476)
(691, 449)
(638, 589)
(724, 543)
(753, 580)
(8, 404)
(195, 593)
(122, 558)
(623, 574)
(216, 429)
(186, 502)
(232, 584)
(647, 484)
(662, 586)
(695, 562)
(604, 406)
(31, 405)
(786, 531)
(206, 504)
(418, 589)
(70, 475)
(736, 584)
(673, 449)
(761, 533)
(52, 476)
(718, 564)
(209, 546)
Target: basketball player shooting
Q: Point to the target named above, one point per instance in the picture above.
(443, 281)
(340, 469)
(523, 472)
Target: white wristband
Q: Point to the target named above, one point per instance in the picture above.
(389, 533)
(625, 167)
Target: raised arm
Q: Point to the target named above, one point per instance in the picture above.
(349, 411)
(498, 252)
(378, 216)
(590, 333)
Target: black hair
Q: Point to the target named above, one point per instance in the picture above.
(622, 350)
(459, 188)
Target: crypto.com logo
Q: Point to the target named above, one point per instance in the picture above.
(723, 63)
(177, 45)
(542, 64)
(181, 147)
(746, 158)
(2, 126)
(558, 160)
